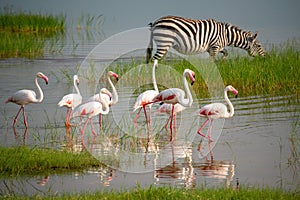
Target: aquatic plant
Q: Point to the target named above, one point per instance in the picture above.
(25, 34)
(25, 160)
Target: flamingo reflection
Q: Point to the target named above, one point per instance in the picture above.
(43, 180)
(180, 170)
(215, 169)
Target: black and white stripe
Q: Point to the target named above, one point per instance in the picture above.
(189, 36)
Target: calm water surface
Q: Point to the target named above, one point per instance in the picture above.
(256, 147)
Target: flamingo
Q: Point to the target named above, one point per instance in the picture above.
(145, 99)
(215, 111)
(91, 109)
(176, 95)
(71, 100)
(24, 97)
(167, 108)
(108, 99)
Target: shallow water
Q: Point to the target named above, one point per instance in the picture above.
(255, 147)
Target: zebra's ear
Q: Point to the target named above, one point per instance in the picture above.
(255, 35)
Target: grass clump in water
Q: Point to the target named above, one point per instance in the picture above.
(25, 35)
(25, 160)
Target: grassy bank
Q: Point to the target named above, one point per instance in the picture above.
(25, 35)
(174, 193)
(276, 74)
(24, 160)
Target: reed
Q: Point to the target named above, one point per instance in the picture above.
(11, 21)
(25, 35)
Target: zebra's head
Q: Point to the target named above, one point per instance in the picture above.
(255, 46)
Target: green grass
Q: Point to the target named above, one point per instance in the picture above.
(276, 74)
(175, 193)
(24, 160)
(25, 34)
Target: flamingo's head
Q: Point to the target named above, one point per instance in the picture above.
(232, 89)
(105, 91)
(111, 73)
(191, 74)
(43, 76)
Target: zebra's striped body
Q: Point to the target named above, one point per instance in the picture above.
(189, 36)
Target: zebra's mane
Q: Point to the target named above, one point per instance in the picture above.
(229, 25)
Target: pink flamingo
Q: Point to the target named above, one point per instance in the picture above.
(145, 99)
(176, 95)
(167, 108)
(24, 97)
(71, 100)
(91, 109)
(108, 99)
(215, 111)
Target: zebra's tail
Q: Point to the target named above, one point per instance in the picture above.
(150, 46)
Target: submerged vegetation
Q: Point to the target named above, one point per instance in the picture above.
(25, 34)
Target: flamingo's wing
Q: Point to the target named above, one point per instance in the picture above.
(170, 95)
(213, 110)
(88, 109)
(144, 98)
(70, 100)
(23, 97)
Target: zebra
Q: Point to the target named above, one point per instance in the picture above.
(188, 36)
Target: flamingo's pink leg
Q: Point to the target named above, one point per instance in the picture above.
(93, 130)
(209, 131)
(24, 116)
(100, 120)
(145, 112)
(68, 114)
(147, 120)
(82, 130)
(171, 123)
(16, 117)
(168, 122)
(175, 122)
(200, 129)
(137, 116)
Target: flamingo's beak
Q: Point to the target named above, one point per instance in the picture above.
(46, 80)
(236, 93)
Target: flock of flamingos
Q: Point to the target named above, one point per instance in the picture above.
(173, 101)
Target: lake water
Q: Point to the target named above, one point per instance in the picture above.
(255, 147)
(258, 146)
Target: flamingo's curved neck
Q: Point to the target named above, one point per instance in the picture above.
(115, 97)
(104, 105)
(40, 99)
(231, 109)
(76, 86)
(189, 95)
(154, 79)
